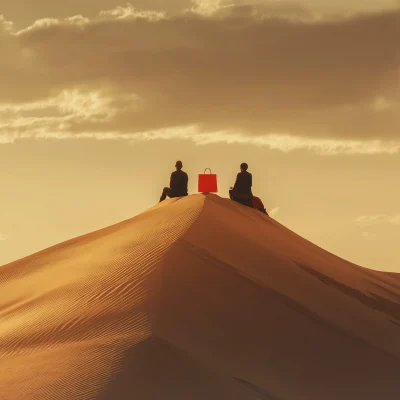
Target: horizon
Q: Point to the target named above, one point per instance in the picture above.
(101, 98)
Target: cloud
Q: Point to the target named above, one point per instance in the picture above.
(381, 104)
(209, 7)
(274, 212)
(378, 219)
(41, 24)
(78, 20)
(255, 10)
(71, 121)
(368, 235)
(5, 26)
(54, 117)
(235, 74)
(129, 11)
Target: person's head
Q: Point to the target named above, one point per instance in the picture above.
(178, 165)
(243, 167)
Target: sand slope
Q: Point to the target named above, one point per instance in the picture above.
(197, 298)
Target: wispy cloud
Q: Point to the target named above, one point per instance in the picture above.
(368, 235)
(57, 116)
(82, 117)
(125, 12)
(7, 26)
(222, 73)
(274, 212)
(208, 7)
(129, 11)
(378, 219)
(382, 104)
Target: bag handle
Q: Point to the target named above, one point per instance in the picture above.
(207, 169)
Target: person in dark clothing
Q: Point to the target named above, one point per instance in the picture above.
(241, 192)
(178, 185)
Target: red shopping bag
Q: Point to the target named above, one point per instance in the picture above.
(208, 182)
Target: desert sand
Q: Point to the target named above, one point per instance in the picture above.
(197, 298)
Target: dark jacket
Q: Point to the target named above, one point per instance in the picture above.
(244, 182)
(179, 183)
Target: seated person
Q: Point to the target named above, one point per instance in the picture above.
(178, 186)
(241, 192)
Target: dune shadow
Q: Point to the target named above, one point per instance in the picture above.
(156, 370)
(369, 299)
(254, 390)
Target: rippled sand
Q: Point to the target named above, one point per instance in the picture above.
(197, 298)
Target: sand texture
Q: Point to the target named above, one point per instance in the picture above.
(197, 298)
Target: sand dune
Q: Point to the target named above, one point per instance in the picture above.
(197, 298)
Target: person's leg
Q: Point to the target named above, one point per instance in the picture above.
(248, 201)
(166, 192)
(163, 195)
(244, 199)
(241, 198)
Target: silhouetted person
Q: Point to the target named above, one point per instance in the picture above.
(241, 192)
(178, 185)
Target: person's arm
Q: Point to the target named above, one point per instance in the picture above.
(251, 180)
(187, 181)
(236, 183)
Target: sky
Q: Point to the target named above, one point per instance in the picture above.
(98, 99)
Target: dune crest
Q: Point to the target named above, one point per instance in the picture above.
(197, 298)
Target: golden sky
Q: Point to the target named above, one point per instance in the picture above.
(99, 98)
